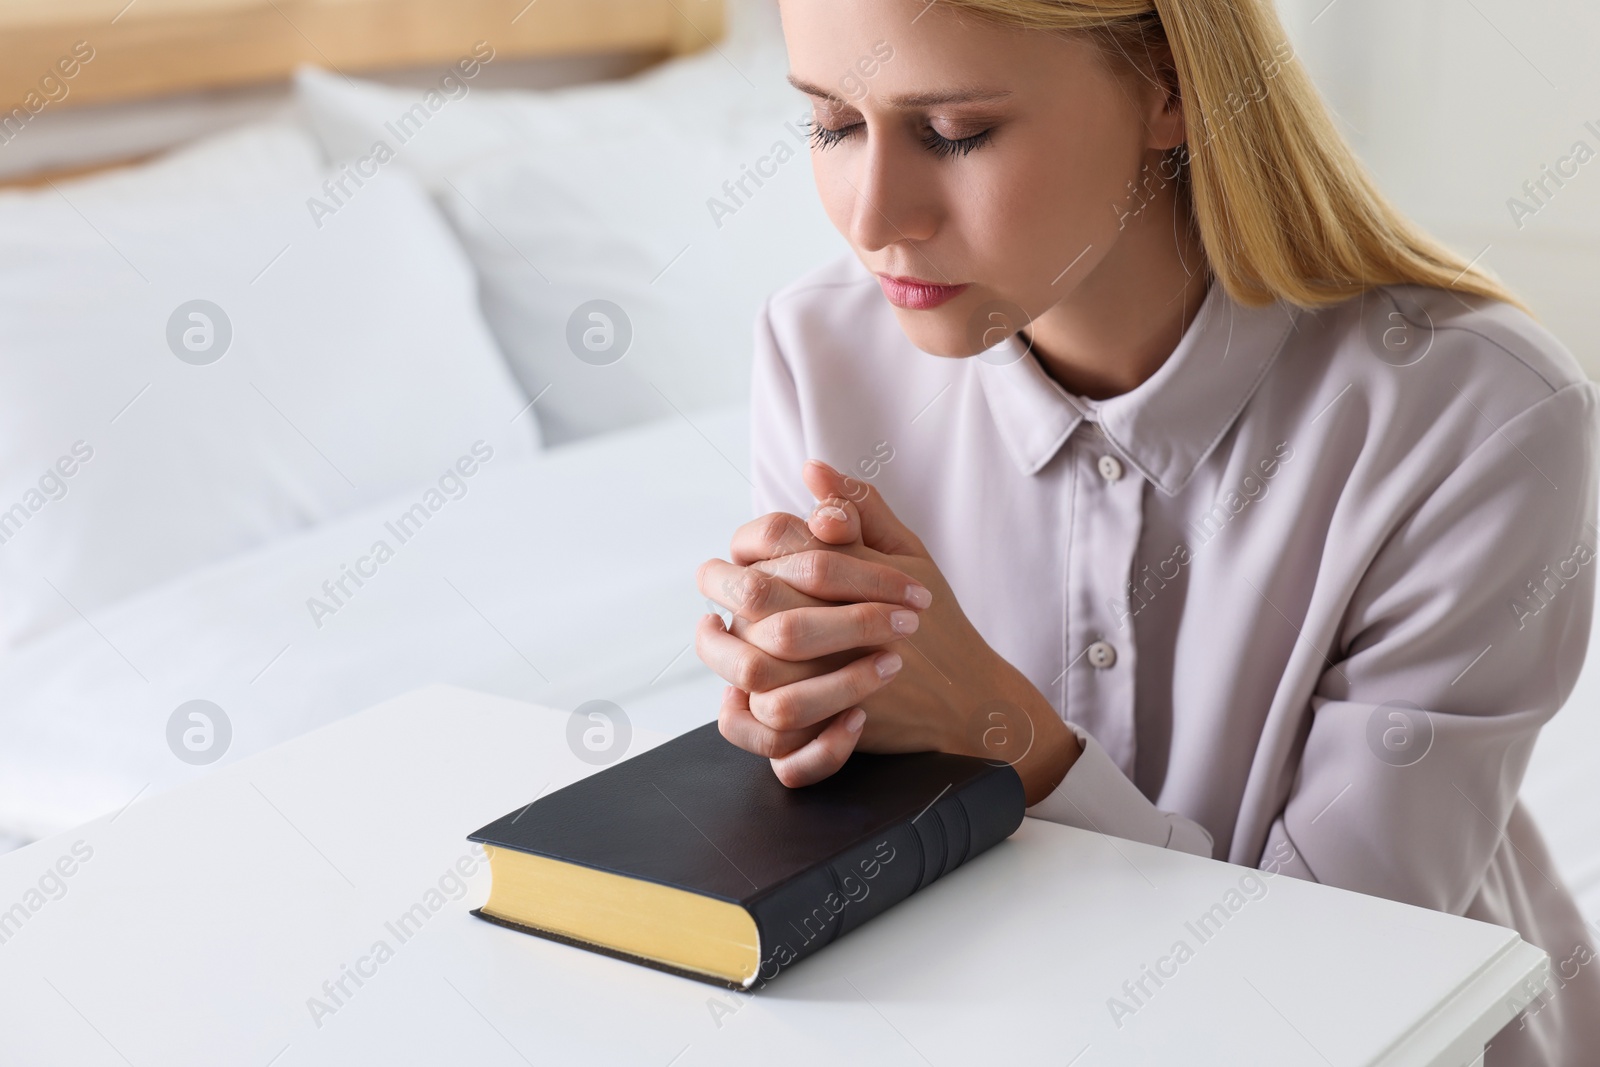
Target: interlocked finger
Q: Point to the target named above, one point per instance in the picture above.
(828, 574)
(740, 726)
(749, 593)
(741, 664)
(806, 633)
(775, 534)
(810, 701)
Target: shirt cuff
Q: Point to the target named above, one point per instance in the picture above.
(1095, 795)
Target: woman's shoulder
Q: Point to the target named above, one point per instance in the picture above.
(832, 302)
(1415, 380)
(841, 276)
(1500, 346)
(837, 334)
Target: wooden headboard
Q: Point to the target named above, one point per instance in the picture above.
(149, 48)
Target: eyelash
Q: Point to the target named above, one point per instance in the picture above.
(823, 137)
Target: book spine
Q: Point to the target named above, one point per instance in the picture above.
(827, 902)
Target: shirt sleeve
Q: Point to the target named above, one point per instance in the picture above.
(777, 438)
(1463, 637)
(1095, 795)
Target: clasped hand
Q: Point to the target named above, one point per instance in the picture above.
(845, 635)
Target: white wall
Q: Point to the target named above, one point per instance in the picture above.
(1454, 104)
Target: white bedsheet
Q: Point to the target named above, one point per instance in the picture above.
(492, 593)
(559, 579)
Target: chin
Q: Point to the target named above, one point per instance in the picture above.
(940, 332)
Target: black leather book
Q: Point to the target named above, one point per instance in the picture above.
(693, 858)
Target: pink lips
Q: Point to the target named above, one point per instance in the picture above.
(913, 294)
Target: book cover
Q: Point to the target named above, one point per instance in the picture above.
(698, 815)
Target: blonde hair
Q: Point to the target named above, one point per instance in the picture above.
(1283, 207)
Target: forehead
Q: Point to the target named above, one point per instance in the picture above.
(917, 54)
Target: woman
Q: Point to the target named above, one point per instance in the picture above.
(1261, 525)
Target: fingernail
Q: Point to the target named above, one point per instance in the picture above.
(853, 721)
(903, 622)
(888, 664)
(918, 597)
(831, 512)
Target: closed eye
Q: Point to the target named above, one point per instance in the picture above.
(826, 137)
(823, 137)
(944, 146)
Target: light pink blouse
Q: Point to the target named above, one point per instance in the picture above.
(1307, 594)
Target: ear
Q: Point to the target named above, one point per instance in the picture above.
(1163, 100)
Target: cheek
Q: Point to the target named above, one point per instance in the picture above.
(1081, 174)
(1039, 207)
(837, 197)
(1023, 209)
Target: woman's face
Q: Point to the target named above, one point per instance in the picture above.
(1003, 164)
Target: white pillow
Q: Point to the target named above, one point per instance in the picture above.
(611, 192)
(358, 366)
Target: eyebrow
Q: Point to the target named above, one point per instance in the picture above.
(911, 100)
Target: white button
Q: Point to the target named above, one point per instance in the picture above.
(1110, 468)
(1102, 655)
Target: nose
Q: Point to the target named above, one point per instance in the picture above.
(893, 204)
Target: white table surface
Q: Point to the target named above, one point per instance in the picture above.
(207, 918)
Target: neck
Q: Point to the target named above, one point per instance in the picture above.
(1122, 322)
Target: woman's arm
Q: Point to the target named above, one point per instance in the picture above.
(777, 434)
(954, 693)
(1470, 623)
(1087, 790)
(1464, 636)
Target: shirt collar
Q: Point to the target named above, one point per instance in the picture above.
(1168, 424)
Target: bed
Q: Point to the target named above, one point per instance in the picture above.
(234, 369)
(233, 366)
